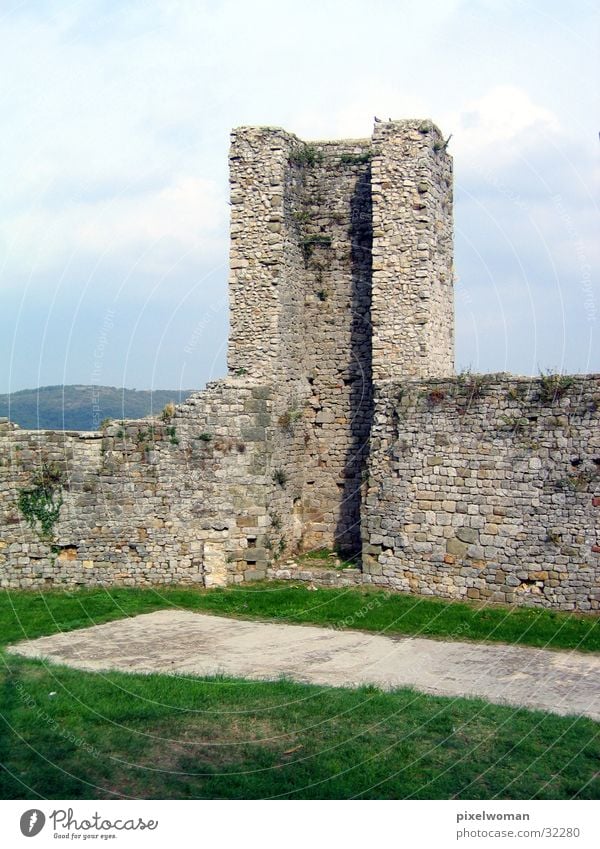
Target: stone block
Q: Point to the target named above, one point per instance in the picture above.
(454, 546)
(255, 555)
(255, 574)
(469, 535)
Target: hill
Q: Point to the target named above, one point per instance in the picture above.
(82, 407)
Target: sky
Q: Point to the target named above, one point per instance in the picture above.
(113, 165)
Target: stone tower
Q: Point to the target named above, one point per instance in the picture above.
(340, 279)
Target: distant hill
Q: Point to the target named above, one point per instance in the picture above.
(83, 407)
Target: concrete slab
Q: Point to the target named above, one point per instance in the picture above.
(181, 642)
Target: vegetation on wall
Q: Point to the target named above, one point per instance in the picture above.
(356, 158)
(306, 155)
(553, 386)
(41, 502)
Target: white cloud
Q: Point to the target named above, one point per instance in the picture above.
(116, 115)
(160, 226)
(499, 126)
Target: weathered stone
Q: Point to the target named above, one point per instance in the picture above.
(467, 535)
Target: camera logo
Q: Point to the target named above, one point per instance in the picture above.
(32, 822)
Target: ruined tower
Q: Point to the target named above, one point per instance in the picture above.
(340, 279)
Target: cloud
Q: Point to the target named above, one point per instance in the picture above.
(157, 228)
(499, 125)
(116, 116)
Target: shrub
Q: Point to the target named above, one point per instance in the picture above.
(307, 155)
(168, 412)
(553, 386)
(356, 158)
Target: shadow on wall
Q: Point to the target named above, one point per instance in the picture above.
(347, 533)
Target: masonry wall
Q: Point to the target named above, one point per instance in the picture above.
(487, 488)
(413, 298)
(341, 271)
(332, 211)
(147, 501)
(300, 287)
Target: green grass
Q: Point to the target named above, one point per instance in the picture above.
(116, 735)
(71, 734)
(30, 614)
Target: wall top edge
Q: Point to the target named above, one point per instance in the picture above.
(491, 378)
(400, 124)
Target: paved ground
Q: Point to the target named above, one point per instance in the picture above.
(187, 643)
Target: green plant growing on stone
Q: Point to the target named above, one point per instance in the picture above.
(576, 483)
(471, 385)
(280, 477)
(517, 424)
(309, 243)
(204, 436)
(275, 521)
(553, 386)
(517, 392)
(287, 419)
(302, 216)
(105, 423)
(306, 156)
(41, 502)
(440, 145)
(172, 434)
(356, 158)
(322, 295)
(240, 372)
(141, 436)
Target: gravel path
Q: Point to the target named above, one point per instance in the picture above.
(181, 642)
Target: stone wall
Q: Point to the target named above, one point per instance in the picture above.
(487, 487)
(181, 500)
(332, 208)
(306, 264)
(413, 297)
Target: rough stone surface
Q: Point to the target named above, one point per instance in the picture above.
(146, 501)
(483, 487)
(184, 643)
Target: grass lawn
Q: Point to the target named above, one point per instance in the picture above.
(70, 734)
(31, 614)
